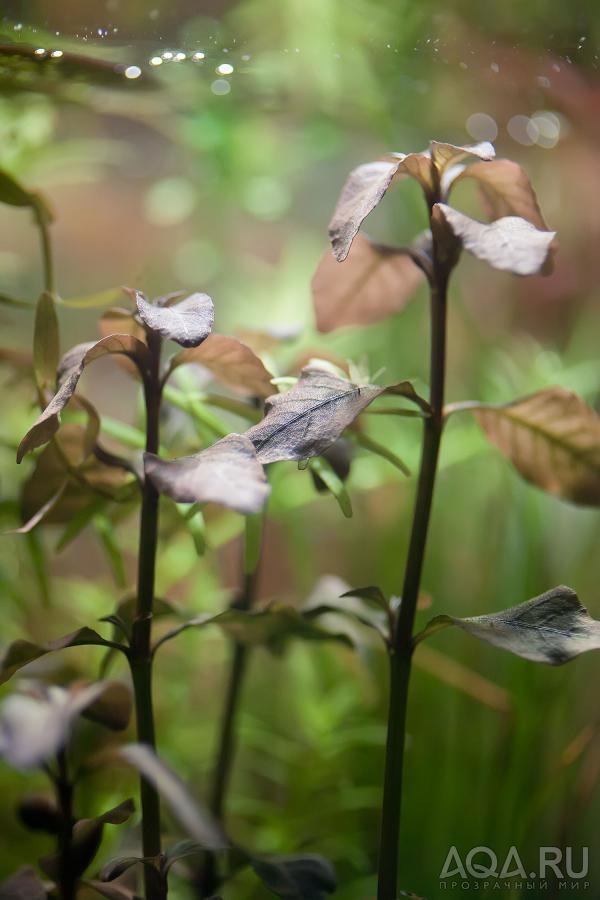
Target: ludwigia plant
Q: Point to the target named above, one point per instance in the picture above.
(551, 437)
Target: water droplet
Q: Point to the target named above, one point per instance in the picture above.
(132, 72)
(224, 69)
(56, 54)
(482, 127)
(246, 57)
(18, 26)
(198, 55)
(523, 130)
(40, 51)
(156, 61)
(220, 87)
(168, 54)
(179, 56)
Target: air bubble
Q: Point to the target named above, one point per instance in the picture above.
(56, 54)
(220, 87)
(224, 69)
(132, 72)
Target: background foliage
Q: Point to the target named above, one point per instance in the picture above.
(162, 182)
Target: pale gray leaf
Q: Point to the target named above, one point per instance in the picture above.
(187, 322)
(195, 820)
(511, 244)
(552, 628)
(228, 473)
(305, 420)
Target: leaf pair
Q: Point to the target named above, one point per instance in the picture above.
(375, 281)
(298, 424)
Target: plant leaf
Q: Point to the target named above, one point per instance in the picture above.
(25, 884)
(446, 155)
(231, 362)
(507, 190)
(553, 439)
(187, 322)
(373, 282)
(197, 822)
(42, 512)
(552, 628)
(69, 372)
(112, 708)
(12, 193)
(228, 472)
(305, 420)
(322, 469)
(21, 652)
(180, 850)
(46, 349)
(511, 244)
(306, 877)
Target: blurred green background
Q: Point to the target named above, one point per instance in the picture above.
(220, 173)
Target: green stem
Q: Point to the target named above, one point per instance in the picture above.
(46, 246)
(64, 792)
(401, 645)
(141, 642)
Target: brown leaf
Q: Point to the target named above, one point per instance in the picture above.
(69, 372)
(553, 439)
(112, 708)
(187, 322)
(231, 362)
(117, 320)
(511, 244)
(362, 192)
(228, 473)
(305, 420)
(446, 155)
(372, 283)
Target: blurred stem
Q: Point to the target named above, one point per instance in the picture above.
(141, 647)
(46, 245)
(402, 644)
(64, 796)
(208, 881)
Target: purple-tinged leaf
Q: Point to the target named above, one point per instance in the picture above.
(188, 322)
(69, 372)
(511, 244)
(307, 419)
(25, 884)
(231, 362)
(446, 155)
(228, 473)
(372, 283)
(552, 628)
(195, 820)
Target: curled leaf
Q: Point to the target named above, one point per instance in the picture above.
(552, 628)
(228, 472)
(69, 372)
(231, 362)
(305, 420)
(553, 439)
(372, 283)
(195, 820)
(446, 155)
(511, 244)
(187, 322)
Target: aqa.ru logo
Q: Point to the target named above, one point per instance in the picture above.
(482, 863)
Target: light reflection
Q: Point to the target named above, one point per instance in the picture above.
(224, 69)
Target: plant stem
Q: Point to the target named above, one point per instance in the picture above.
(46, 246)
(208, 881)
(141, 646)
(401, 645)
(64, 793)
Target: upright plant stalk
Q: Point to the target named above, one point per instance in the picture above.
(226, 740)
(64, 796)
(141, 647)
(401, 647)
(41, 219)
